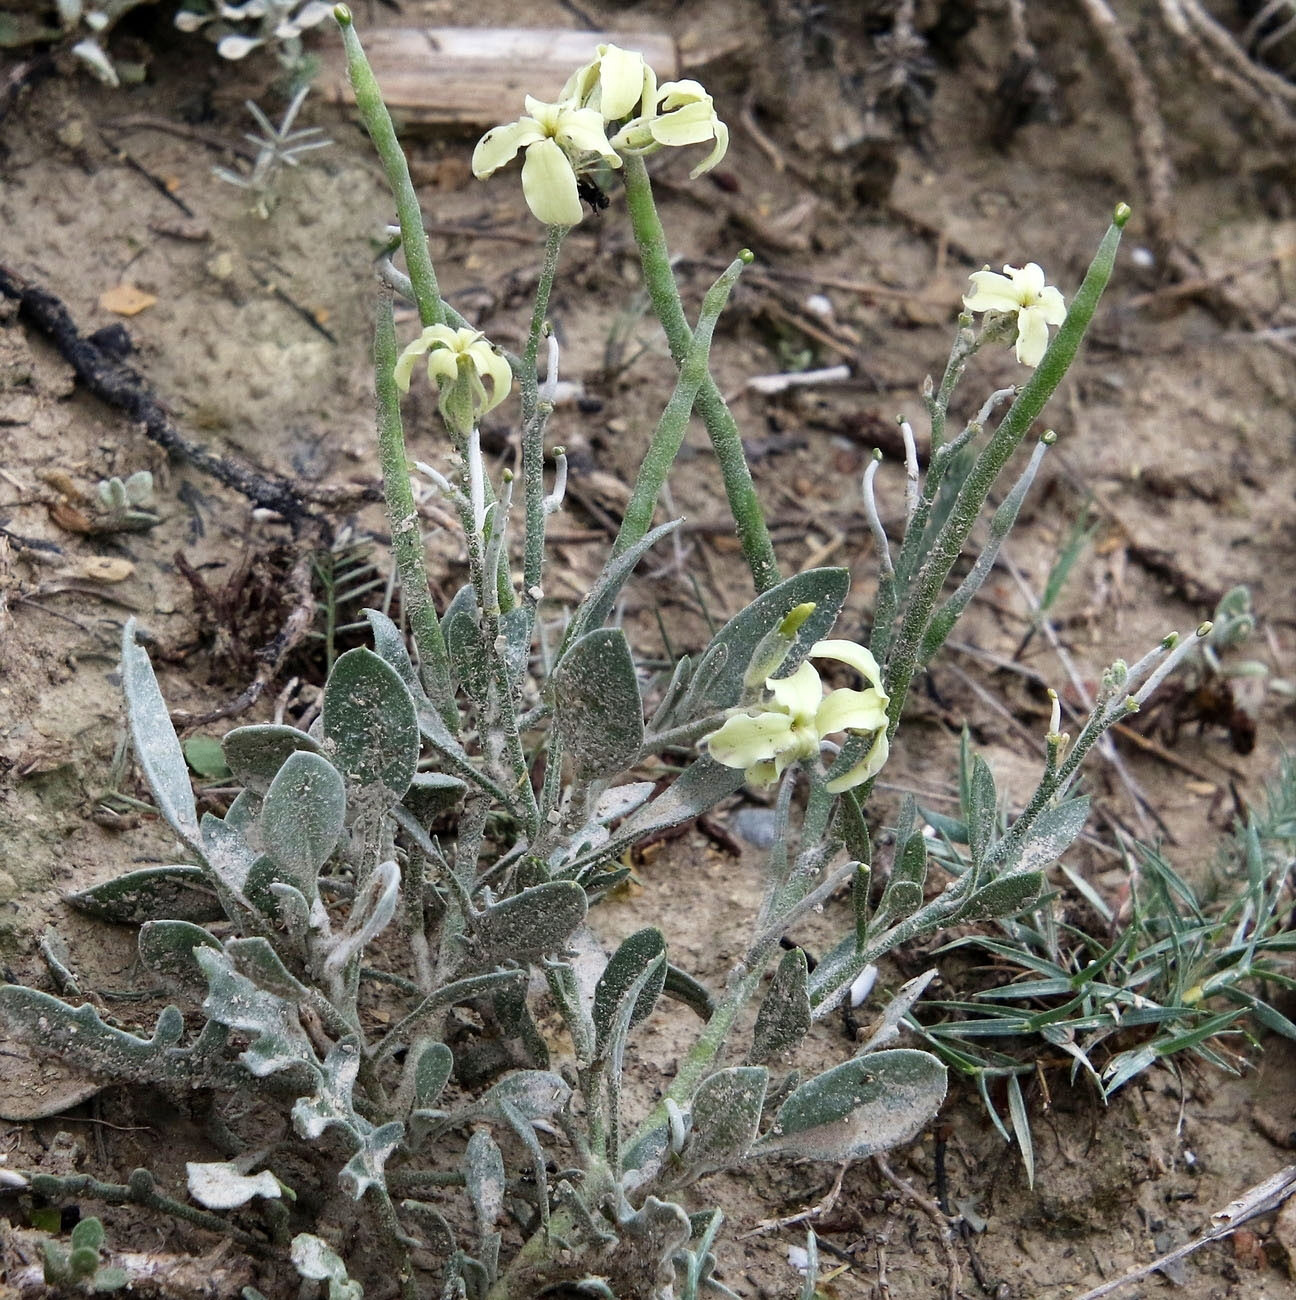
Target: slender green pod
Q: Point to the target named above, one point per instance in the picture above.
(669, 434)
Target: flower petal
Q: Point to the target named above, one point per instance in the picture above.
(845, 710)
(1052, 305)
(405, 363)
(799, 694)
(1032, 336)
(501, 143)
(867, 768)
(491, 365)
(721, 148)
(1029, 281)
(549, 185)
(848, 652)
(688, 125)
(442, 366)
(621, 82)
(675, 94)
(581, 130)
(745, 740)
(991, 292)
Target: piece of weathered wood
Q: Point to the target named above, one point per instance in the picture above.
(478, 76)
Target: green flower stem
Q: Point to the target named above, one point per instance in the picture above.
(669, 434)
(723, 431)
(402, 514)
(533, 425)
(948, 545)
(377, 121)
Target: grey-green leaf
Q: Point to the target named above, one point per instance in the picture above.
(598, 713)
(824, 588)
(468, 653)
(859, 1108)
(435, 1063)
(370, 720)
(784, 1017)
(484, 1177)
(167, 950)
(980, 810)
(1054, 831)
(256, 753)
(303, 817)
(598, 604)
(726, 1117)
(153, 893)
(528, 925)
(636, 954)
(390, 647)
(156, 745)
(1003, 897)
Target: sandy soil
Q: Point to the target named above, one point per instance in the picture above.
(1177, 427)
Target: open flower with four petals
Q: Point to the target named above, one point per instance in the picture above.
(683, 114)
(559, 140)
(766, 740)
(443, 346)
(1020, 291)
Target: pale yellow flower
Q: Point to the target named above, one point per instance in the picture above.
(765, 741)
(443, 346)
(683, 114)
(1020, 291)
(617, 82)
(559, 139)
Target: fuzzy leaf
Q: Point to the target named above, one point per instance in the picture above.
(365, 1169)
(726, 1118)
(167, 949)
(1003, 897)
(255, 754)
(535, 1094)
(224, 1187)
(784, 1017)
(528, 925)
(484, 1178)
(736, 642)
(79, 1036)
(226, 850)
(1055, 830)
(435, 1065)
(331, 1104)
(153, 893)
(469, 657)
(432, 793)
(598, 604)
(636, 954)
(598, 713)
(279, 1042)
(370, 915)
(369, 718)
(156, 745)
(303, 818)
(981, 810)
(389, 644)
(316, 1260)
(859, 1108)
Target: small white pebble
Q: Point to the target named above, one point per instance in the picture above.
(819, 304)
(1142, 257)
(536, 593)
(799, 1259)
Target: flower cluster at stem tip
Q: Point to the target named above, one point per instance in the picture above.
(765, 740)
(617, 91)
(1020, 291)
(448, 349)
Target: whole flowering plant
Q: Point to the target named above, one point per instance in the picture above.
(388, 936)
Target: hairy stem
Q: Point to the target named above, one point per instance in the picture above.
(669, 435)
(407, 536)
(744, 504)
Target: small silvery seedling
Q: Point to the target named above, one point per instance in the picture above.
(438, 835)
(77, 1265)
(127, 506)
